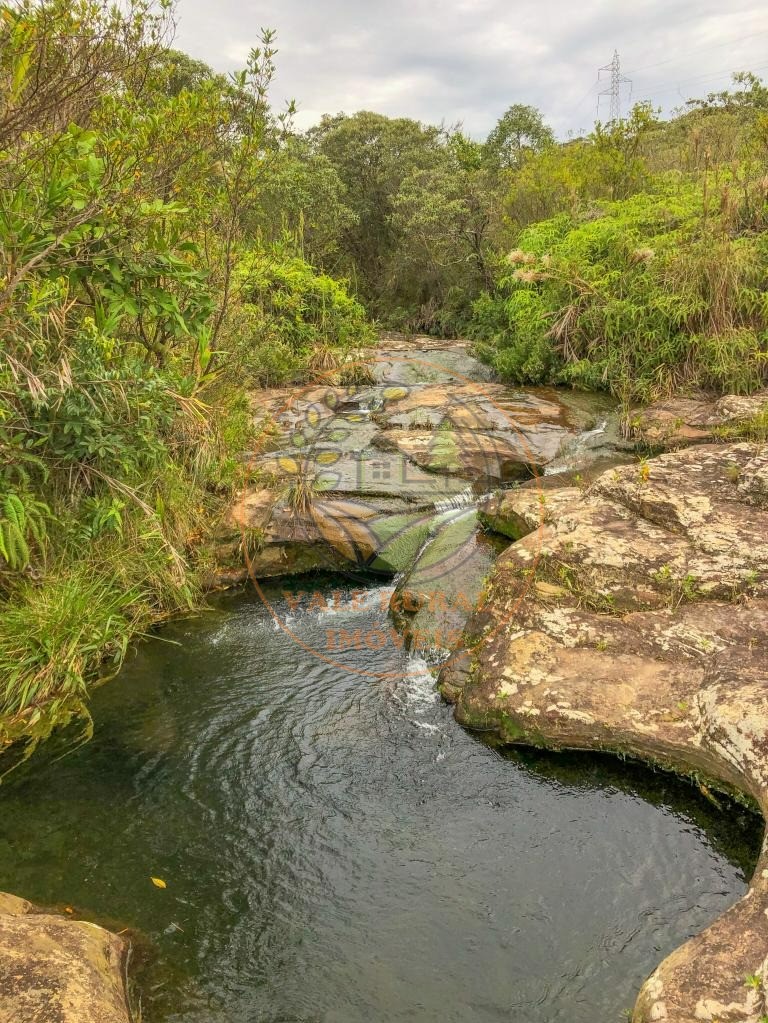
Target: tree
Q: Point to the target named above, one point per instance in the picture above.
(303, 201)
(749, 92)
(372, 155)
(176, 71)
(520, 131)
(619, 146)
(446, 218)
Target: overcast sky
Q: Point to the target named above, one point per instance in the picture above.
(468, 60)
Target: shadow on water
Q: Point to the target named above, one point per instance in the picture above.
(336, 848)
(733, 830)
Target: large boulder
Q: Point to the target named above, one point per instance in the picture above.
(57, 970)
(631, 617)
(487, 458)
(490, 434)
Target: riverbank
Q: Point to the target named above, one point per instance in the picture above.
(648, 597)
(631, 618)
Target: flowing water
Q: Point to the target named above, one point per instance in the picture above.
(337, 849)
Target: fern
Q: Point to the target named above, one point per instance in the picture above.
(24, 520)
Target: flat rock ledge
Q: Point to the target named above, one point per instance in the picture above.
(57, 970)
(678, 422)
(631, 617)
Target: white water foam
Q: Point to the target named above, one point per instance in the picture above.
(462, 500)
(416, 691)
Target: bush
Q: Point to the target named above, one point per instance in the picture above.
(292, 320)
(650, 296)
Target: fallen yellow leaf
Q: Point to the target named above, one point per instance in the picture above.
(158, 882)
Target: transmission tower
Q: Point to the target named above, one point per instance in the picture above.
(614, 89)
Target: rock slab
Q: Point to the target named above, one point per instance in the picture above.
(678, 422)
(57, 970)
(631, 617)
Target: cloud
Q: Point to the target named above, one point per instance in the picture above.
(468, 60)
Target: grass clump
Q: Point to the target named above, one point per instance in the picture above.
(54, 637)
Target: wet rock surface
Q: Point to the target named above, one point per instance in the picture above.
(631, 616)
(56, 970)
(436, 595)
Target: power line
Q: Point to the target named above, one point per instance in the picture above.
(614, 89)
(700, 49)
(665, 88)
(592, 87)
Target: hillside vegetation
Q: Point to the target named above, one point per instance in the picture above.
(169, 243)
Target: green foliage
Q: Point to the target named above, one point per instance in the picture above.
(445, 218)
(167, 241)
(650, 296)
(22, 521)
(291, 315)
(372, 156)
(52, 638)
(749, 93)
(302, 200)
(520, 131)
(148, 208)
(755, 428)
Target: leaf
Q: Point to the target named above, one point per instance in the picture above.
(158, 882)
(288, 465)
(395, 393)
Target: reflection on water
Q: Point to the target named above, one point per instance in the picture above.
(337, 849)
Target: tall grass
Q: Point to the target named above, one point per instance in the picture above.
(53, 637)
(652, 296)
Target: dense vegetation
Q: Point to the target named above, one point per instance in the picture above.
(148, 269)
(169, 242)
(647, 272)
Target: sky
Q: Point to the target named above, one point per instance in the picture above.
(466, 61)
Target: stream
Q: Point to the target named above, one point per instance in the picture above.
(335, 848)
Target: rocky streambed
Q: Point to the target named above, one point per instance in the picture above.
(629, 614)
(386, 477)
(572, 594)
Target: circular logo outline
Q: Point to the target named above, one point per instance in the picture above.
(506, 618)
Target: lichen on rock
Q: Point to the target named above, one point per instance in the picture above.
(57, 970)
(648, 639)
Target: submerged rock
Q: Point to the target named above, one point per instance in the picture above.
(632, 617)
(59, 970)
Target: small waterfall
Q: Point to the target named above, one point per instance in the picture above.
(463, 499)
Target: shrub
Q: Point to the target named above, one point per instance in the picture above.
(650, 296)
(292, 319)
